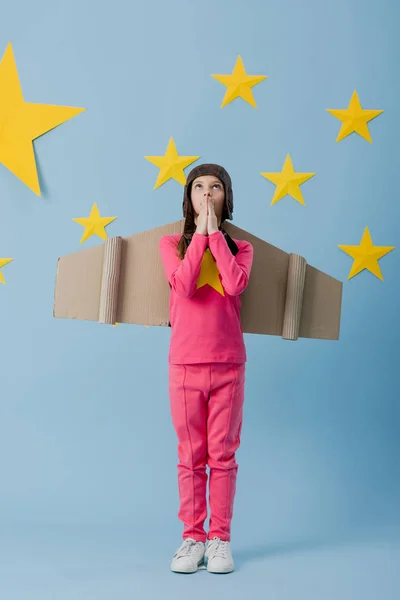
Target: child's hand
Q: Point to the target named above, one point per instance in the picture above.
(201, 226)
(212, 221)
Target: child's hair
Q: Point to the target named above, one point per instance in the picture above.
(190, 226)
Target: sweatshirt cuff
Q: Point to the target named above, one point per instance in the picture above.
(199, 238)
(215, 236)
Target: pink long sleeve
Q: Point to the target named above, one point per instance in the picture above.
(183, 274)
(206, 324)
(234, 270)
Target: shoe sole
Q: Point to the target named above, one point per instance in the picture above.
(201, 563)
(220, 572)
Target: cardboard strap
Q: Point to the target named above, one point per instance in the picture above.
(294, 297)
(110, 280)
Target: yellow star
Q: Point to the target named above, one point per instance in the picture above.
(239, 84)
(209, 273)
(366, 255)
(171, 165)
(3, 262)
(22, 122)
(287, 182)
(354, 119)
(94, 224)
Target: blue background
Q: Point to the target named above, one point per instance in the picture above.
(88, 488)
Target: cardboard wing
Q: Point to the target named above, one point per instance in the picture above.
(123, 281)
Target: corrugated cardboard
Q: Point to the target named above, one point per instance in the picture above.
(123, 281)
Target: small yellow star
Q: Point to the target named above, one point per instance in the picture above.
(287, 182)
(366, 255)
(209, 273)
(3, 262)
(354, 119)
(239, 84)
(171, 165)
(22, 122)
(94, 224)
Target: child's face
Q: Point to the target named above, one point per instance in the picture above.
(211, 186)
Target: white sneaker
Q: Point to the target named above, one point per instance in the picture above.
(188, 557)
(219, 556)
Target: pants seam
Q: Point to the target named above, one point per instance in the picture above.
(190, 442)
(224, 446)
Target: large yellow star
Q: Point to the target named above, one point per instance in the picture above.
(171, 165)
(366, 255)
(22, 122)
(3, 262)
(239, 84)
(209, 273)
(287, 182)
(354, 119)
(94, 224)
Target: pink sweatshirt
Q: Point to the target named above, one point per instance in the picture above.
(206, 324)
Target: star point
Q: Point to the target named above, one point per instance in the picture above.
(94, 224)
(287, 182)
(366, 255)
(209, 273)
(3, 263)
(171, 165)
(354, 119)
(22, 122)
(239, 84)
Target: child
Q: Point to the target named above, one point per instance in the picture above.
(206, 364)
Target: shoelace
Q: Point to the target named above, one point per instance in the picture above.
(217, 548)
(188, 548)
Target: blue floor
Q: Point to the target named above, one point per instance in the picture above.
(68, 564)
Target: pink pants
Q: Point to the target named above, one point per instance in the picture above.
(206, 402)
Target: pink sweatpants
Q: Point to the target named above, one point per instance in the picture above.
(206, 402)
